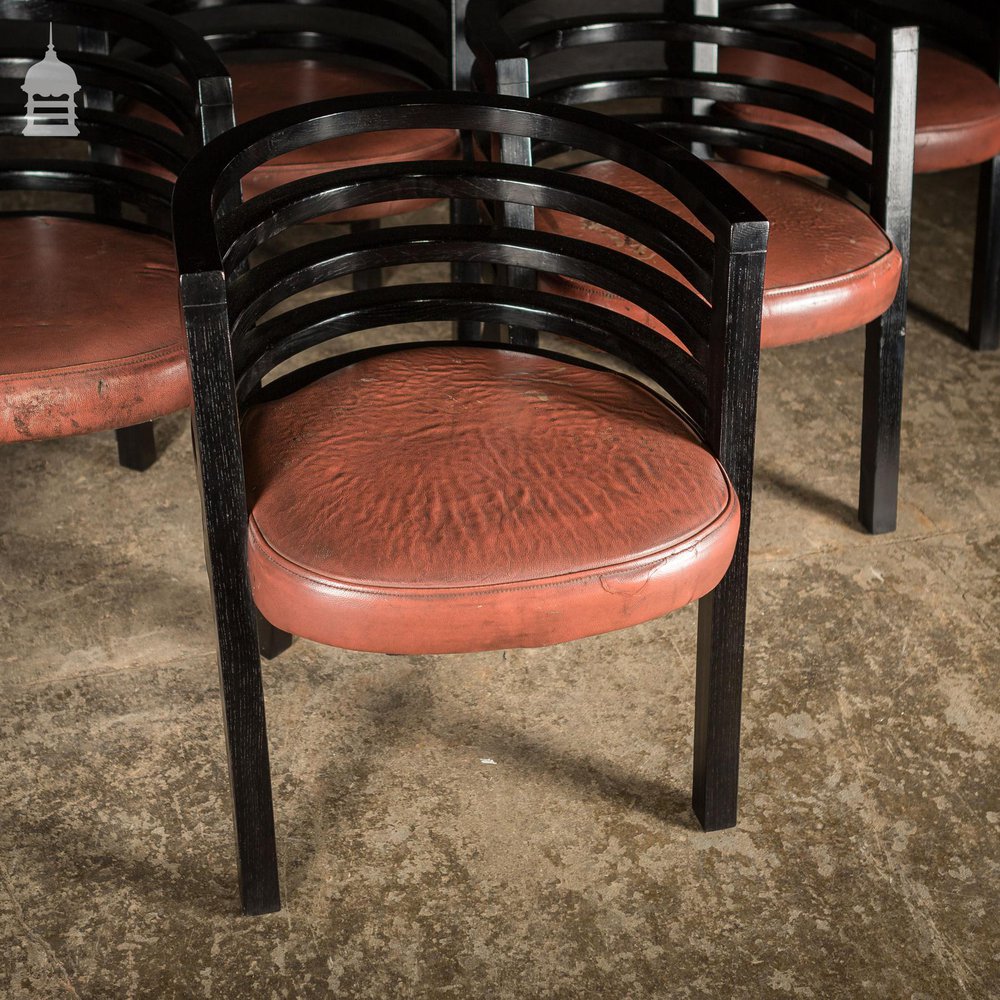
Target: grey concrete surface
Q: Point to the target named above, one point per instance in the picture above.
(867, 858)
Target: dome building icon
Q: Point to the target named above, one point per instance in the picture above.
(51, 87)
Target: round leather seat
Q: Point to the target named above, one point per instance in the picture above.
(451, 498)
(92, 336)
(830, 267)
(958, 105)
(262, 87)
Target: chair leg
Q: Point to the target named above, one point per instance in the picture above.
(467, 213)
(469, 330)
(250, 778)
(273, 641)
(136, 446)
(365, 280)
(880, 421)
(215, 432)
(246, 732)
(984, 315)
(522, 336)
(719, 696)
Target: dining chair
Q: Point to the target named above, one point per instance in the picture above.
(833, 264)
(958, 115)
(447, 497)
(281, 53)
(92, 334)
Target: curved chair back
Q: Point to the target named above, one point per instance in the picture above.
(756, 119)
(959, 127)
(410, 37)
(191, 92)
(969, 27)
(544, 48)
(713, 304)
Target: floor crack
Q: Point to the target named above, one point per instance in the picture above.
(8, 887)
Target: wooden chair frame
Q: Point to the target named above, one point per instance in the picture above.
(972, 29)
(503, 64)
(413, 38)
(232, 349)
(197, 99)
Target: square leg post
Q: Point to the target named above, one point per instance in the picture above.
(719, 696)
(892, 160)
(734, 362)
(273, 641)
(512, 81)
(463, 211)
(249, 764)
(466, 213)
(363, 280)
(984, 313)
(218, 456)
(136, 446)
(882, 412)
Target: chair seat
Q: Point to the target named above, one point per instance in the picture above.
(448, 498)
(830, 267)
(260, 88)
(92, 337)
(958, 105)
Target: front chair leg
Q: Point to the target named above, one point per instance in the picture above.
(984, 316)
(250, 779)
(719, 696)
(273, 641)
(136, 446)
(215, 431)
(365, 280)
(881, 419)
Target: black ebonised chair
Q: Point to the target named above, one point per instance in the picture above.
(958, 115)
(831, 265)
(283, 53)
(445, 496)
(92, 338)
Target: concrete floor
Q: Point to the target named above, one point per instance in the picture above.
(516, 825)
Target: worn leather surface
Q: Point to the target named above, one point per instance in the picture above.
(830, 267)
(92, 337)
(449, 499)
(958, 106)
(262, 87)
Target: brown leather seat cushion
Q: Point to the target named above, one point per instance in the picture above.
(958, 106)
(448, 499)
(830, 267)
(262, 87)
(92, 337)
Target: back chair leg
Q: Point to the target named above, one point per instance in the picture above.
(467, 330)
(467, 213)
(882, 411)
(719, 696)
(273, 641)
(984, 317)
(365, 280)
(136, 446)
